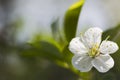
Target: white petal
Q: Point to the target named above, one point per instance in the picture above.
(103, 63)
(77, 47)
(108, 47)
(93, 36)
(82, 63)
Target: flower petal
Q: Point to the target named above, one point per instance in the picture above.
(108, 47)
(103, 63)
(93, 36)
(77, 47)
(82, 63)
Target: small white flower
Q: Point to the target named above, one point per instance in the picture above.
(90, 52)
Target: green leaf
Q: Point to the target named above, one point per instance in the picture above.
(114, 33)
(71, 20)
(43, 49)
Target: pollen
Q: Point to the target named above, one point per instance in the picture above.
(94, 51)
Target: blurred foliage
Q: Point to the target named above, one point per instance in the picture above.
(43, 49)
(39, 53)
(56, 32)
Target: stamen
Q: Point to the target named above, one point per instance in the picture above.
(94, 51)
(107, 38)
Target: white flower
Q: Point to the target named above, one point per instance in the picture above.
(90, 52)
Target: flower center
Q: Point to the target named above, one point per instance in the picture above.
(94, 51)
